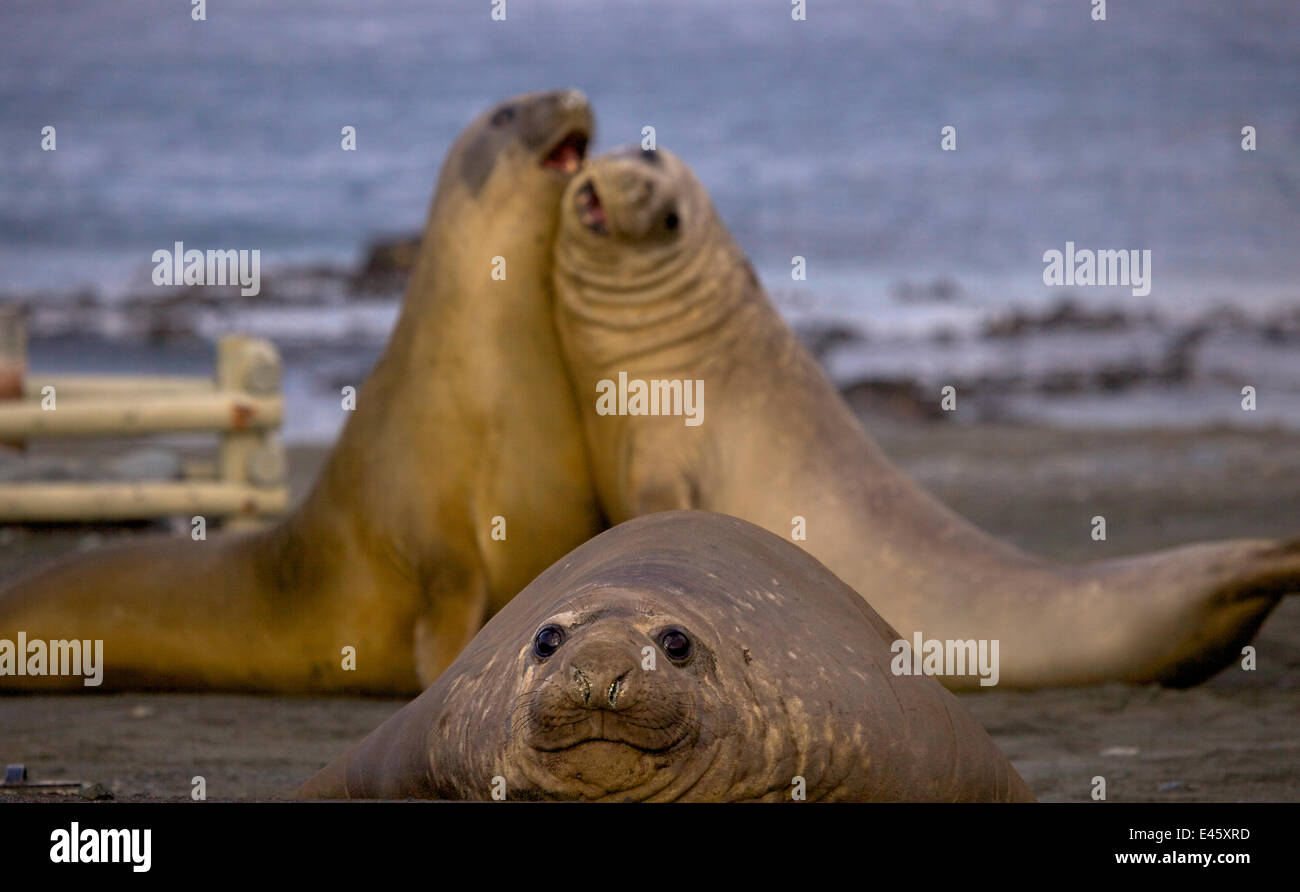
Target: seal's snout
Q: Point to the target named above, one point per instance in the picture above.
(572, 99)
(594, 692)
(602, 675)
(568, 117)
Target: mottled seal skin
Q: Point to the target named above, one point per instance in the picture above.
(467, 415)
(650, 283)
(766, 668)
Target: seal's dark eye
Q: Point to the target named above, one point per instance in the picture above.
(503, 116)
(547, 640)
(671, 222)
(676, 644)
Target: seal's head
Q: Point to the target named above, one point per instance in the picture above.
(502, 177)
(545, 132)
(645, 198)
(642, 259)
(620, 697)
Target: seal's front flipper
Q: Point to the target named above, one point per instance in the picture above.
(392, 762)
(331, 782)
(456, 610)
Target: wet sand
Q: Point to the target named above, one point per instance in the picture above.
(1234, 738)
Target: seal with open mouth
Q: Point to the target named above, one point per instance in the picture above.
(651, 285)
(468, 416)
(681, 656)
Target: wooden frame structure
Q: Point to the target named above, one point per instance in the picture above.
(242, 403)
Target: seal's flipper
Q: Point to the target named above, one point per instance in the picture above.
(1241, 589)
(391, 762)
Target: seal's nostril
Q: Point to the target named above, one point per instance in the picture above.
(615, 690)
(582, 685)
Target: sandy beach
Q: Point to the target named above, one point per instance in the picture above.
(1235, 738)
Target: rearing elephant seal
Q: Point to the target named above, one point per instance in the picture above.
(659, 312)
(683, 656)
(468, 416)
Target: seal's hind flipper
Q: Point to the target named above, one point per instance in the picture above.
(1245, 591)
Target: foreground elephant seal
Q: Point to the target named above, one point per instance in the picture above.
(466, 427)
(682, 656)
(650, 286)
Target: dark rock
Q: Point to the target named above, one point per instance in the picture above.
(903, 399)
(942, 290)
(1064, 315)
(823, 337)
(388, 263)
(95, 792)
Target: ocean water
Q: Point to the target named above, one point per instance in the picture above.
(818, 138)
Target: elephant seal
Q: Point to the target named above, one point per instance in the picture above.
(466, 427)
(651, 288)
(681, 656)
